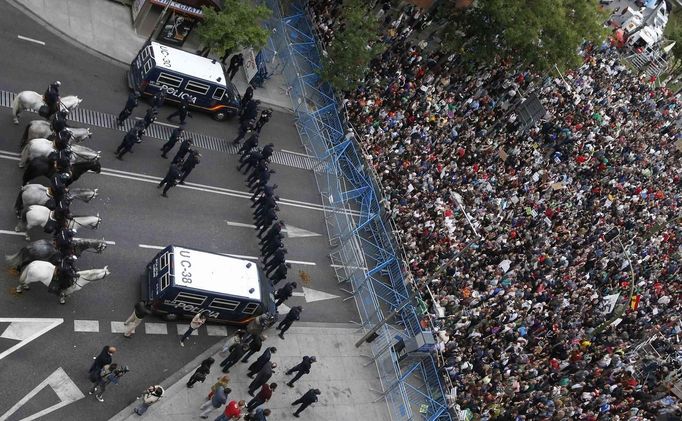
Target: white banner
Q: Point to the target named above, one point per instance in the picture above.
(608, 303)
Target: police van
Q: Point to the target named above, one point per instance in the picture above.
(181, 282)
(182, 75)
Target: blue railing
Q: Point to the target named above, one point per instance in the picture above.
(364, 252)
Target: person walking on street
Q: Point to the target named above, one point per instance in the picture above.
(278, 257)
(201, 372)
(279, 273)
(183, 150)
(197, 321)
(275, 230)
(267, 151)
(250, 143)
(189, 164)
(150, 117)
(113, 375)
(171, 179)
(236, 62)
(248, 95)
(300, 369)
(234, 356)
(259, 415)
(263, 119)
(176, 135)
(140, 311)
(131, 103)
(245, 127)
(250, 110)
(264, 359)
(238, 337)
(262, 377)
(233, 411)
(127, 143)
(262, 396)
(255, 345)
(182, 111)
(293, 315)
(284, 293)
(216, 399)
(99, 384)
(149, 398)
(309, 398)
(159, 99)
(104, 358)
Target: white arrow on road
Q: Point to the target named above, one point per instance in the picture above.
(25, 330)
(312, 295)
(292, 231)
(61, 384)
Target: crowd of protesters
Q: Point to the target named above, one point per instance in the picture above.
(506, 227)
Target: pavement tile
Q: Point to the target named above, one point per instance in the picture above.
(86, 326)
(156, 328)
(117, 327)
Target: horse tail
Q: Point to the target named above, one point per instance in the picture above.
(16, 109)
(19, 203)
(24, 137)
(24, 155)
(14, 260)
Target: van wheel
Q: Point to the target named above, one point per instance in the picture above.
(170, 317)
(220, 115)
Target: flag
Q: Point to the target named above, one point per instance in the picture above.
(609, 302)
(634, 301)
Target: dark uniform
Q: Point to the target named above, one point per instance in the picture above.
(275, 231)
(265, 189)
(51, 98)
(263, 119)
(300, 369)
(189, 164)
(293, 315)
(184, 149)
(232, 359)
(236, 62)
(309, 398)
(182, 111)
(254, 346)
(245, 126)
(65, 276)
(150, 117)
(58, 122)
(63, 240)
(171, 178)
(127, 143)
(279, 273)
(267, 151)
(250, 111)
(62, 139)
(248, 95)
(261, 378)
(175, 136)
(250, 143)
(251, 160)
(159, 99)
(131, 103)
(264, 359)
(284, 293)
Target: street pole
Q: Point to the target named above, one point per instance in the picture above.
(158, 21)
(381, 324)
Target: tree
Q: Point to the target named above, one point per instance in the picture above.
(354, 45)
(541, 33)
(238, 25)
(673, 32)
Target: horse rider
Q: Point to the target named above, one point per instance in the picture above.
(131, 103)
(63, 240)
(51, 97)
(58, 218)
(66, 274)
(59, 121)
(58, 187)
(61, 141)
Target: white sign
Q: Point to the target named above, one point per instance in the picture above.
(250, 66)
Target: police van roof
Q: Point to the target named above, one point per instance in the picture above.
(216, 273)
(187, 63)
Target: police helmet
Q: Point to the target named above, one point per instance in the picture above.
(57, 83)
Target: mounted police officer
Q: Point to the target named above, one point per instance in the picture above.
(62, 139)
(58, 187)
(58, 122)
(59, 218)
(51, 98)
(65, 276)
(63, 240)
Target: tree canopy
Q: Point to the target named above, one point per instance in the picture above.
(541, 33)
(352, 48)
(238, 25)
(673, 32)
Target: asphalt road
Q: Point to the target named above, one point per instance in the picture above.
(133, 214)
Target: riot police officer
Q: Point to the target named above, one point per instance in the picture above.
(131, 103)
(176, 135)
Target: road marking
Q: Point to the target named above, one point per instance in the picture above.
(26, 330)
(214, 330)
(312, 295)
(202, 187)
(298, 294)
(37, 41)
(61, 384)
(155, 328)
(86, 326)
(283, 309)
(236, 256)
(298, 153)
(21, 233)
(292, 231)
(160, 123)
(118, 327)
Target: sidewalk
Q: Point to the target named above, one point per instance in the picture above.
(339, 373)
(106, 27)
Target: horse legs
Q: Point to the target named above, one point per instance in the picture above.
(19, 204)
(62, 298)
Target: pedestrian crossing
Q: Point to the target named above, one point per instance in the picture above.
(147, 328)
(163, 131)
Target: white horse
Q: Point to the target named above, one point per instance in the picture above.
(39, 216)
(37, 194)
(32, 101)
(42, 148)
(43, 272)
(42, 129)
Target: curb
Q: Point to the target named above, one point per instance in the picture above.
(173, 379)
(47, 25)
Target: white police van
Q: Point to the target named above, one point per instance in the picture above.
(182, 75)
(181, 282)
